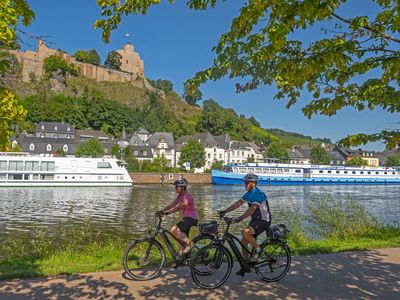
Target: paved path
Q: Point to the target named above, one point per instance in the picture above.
(350, 275)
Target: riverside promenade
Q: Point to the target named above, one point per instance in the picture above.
(371, 274)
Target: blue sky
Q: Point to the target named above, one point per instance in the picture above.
(175, 43)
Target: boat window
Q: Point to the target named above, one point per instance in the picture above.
(103, 165)
(286, 171)
(2, 176)
(345, 172)
(369, 172)
(3, 165)
(337, 172)
(298, 171)
(14, 176)
(329, 171)
(321, 171)
(35, 177)
(32, 166)
(394, 173)
(47, 166)
(279, 171)
(273, 171)
(354, 172)
(258, 170)
(16, 166)
(361, 172)
(26, 176)
(376, 172)
(47, 177)
(385, 173)
(242, 170)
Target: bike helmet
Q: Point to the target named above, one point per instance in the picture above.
(250, 177)
(181, 182)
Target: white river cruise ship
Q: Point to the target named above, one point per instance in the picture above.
(22, 169)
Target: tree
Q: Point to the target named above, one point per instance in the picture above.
(217, 165)
(357, 161)
(193, 152)
(356, 64)
(90, 57)
(90, 148)
(392, 161)
(160, 163)
(191, 98)
(277, 149)
(162, 84)
(254, 121)
(54, 64)
(113, 61)
(319, 156)
(11, 113)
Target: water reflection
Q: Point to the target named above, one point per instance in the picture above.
(129, 211)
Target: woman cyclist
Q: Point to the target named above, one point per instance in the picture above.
(184, 202)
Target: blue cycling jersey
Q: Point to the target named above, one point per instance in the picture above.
(258, 197)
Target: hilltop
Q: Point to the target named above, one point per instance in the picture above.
(78, 96)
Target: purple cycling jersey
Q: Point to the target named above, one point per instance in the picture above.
(189, 209)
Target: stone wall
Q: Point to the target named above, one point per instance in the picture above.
(132, 66)
(140, 178)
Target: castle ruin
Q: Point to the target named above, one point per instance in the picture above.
(132, 67)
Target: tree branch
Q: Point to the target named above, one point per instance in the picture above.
(389, 37)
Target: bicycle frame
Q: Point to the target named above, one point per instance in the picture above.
(163, 233)
(230, 238)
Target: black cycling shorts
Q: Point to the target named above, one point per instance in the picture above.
(187, 223)
(259, 226)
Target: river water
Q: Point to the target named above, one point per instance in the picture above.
(129, 210)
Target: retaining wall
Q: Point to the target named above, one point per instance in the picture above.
(169, 178)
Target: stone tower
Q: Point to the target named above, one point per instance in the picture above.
(131, 61)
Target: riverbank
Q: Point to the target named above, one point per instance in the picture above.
(349, 275)
(107, 255)
(168, 178)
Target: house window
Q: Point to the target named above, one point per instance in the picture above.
(135, 152)
(68, 136)
(215, 149)
(144, 153)
(68, 128)
(42, 135)
(42, 127)
(31, 147)
(220, 156)
(208, 155)
(55, 135)
(242, 153)
(55, 127)
(48, 147)
(65, 148)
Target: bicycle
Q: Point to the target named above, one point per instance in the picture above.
(144, 258)
(275, 259)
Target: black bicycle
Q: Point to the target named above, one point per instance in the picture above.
(144, 258)
(272, 264)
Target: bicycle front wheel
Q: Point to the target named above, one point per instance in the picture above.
(211, 266)
(144, 259)
(274, 262)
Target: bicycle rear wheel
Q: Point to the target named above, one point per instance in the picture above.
(144, 259)
(274, 262)
(211, 266)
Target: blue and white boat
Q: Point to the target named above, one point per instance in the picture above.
(292, 174)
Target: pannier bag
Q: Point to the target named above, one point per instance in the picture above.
(278, 232)
(209, 228)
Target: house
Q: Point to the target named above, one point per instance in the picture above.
(212, 150)
(162, 143)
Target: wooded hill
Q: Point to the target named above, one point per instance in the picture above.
(110, 106)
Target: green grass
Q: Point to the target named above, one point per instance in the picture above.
(70, 248)
(108, 256)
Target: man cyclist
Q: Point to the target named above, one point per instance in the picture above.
(259, 212)
(184, 202)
